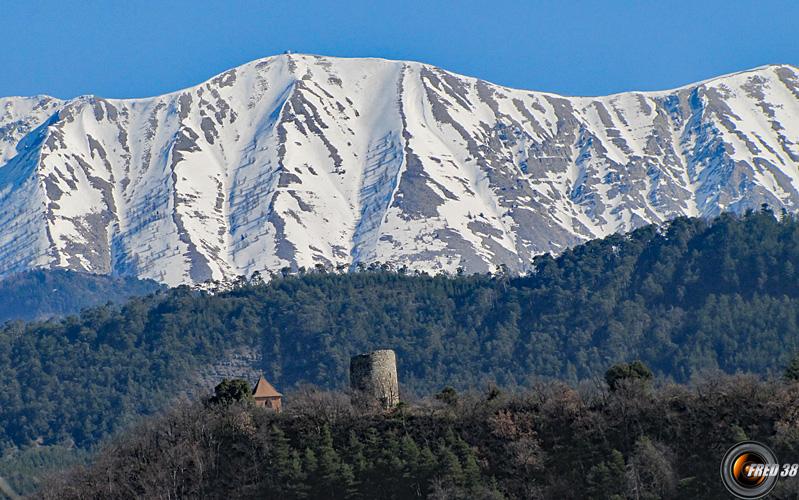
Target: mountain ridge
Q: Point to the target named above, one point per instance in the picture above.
(410, 61)
(299, 160)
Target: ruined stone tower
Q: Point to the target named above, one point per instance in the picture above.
(373, 378)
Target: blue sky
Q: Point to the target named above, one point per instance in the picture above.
(146, 47)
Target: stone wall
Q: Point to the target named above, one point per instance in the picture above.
(373, 378)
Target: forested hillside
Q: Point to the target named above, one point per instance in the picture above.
(552, 442)
(43, 293)
(690, 297)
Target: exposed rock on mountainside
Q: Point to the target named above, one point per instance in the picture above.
(300, 160)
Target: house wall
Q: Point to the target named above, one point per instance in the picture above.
(273, 403)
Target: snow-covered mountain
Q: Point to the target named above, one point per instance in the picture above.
(299, 160)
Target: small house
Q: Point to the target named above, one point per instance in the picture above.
(266, 396)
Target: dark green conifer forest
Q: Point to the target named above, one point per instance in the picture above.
(550, 441)
(42, 294)
(689, 299)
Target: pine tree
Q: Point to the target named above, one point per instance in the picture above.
(328, 464)
(450, 467)
(280, 453)
(635, 371)
(309, 463)
(349, 485)
(428, 467)
(792, 371)
(355, 449)
(471, 470)
(606, 479)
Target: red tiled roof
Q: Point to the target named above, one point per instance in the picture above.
(264, 389)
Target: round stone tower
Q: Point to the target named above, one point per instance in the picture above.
(373, 378)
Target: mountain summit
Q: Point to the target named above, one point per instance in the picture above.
(298, 160)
